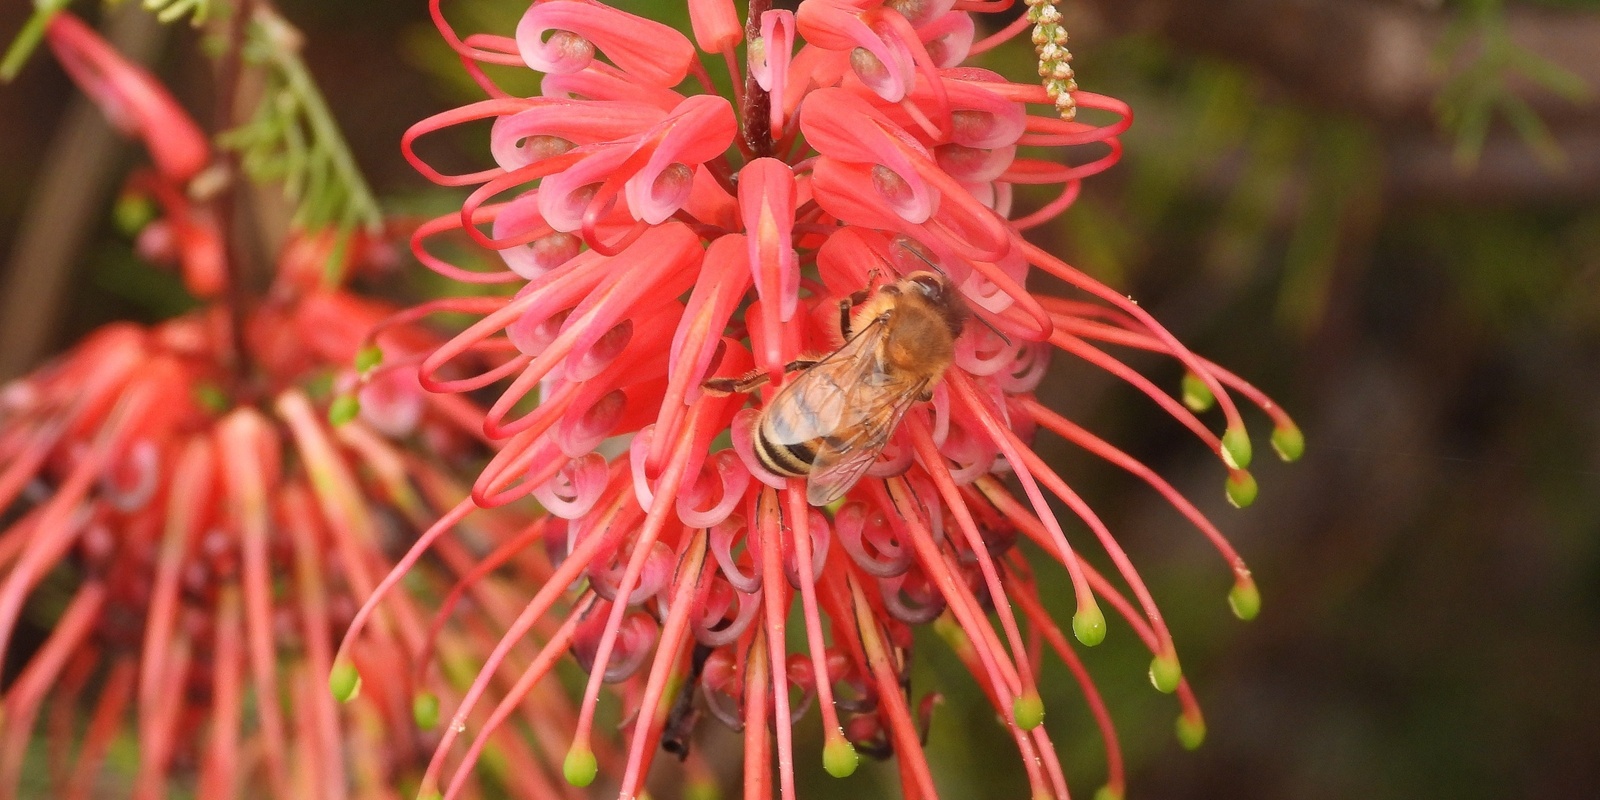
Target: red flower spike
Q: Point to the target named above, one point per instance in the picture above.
(220, 549)
(131, 98)
(629, 215)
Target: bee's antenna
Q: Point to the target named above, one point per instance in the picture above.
(906, 245)
(990, 326)
(936, 268)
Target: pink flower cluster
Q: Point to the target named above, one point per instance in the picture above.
(661, 228)
(180, 490)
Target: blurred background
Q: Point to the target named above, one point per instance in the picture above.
(1385, 213)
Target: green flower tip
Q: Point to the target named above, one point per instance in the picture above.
(1028, 711)
(429, 794)
(701, 790)
(1165, 674)
(1245, 599)
(368, 358)
(1196, 394)
(1289, 442)
(425, 710)
(951, 632)
(1236, 450)
(345, 408)
(580, 766)
(345, 682)
(1191, 732)
(1242, 489)
(839, 757)
(1089, 625)
(132, 212)
(212, 398)
(1107, 793)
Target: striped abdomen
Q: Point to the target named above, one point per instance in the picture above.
(792, 460)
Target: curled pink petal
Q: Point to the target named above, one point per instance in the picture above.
(713, 629)
(648, 51)
(730, 479)
(552, 126)
(576, 488)
(657, 569)
(699, 129)
(948, 39)
(132, 480)
(634, 643)
(866, 536)
(723, 535)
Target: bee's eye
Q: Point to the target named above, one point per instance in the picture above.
(929, 286)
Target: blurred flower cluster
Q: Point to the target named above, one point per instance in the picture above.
(198, 534)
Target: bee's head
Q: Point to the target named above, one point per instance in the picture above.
(937, 290)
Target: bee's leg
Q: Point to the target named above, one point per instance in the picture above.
(845, 306)
(752, 380)
(925, 395)
(744, 384)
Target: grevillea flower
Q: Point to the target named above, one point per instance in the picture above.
(219, 534)
(661, 234)
(213, 534)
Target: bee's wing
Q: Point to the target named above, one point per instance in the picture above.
(842, 460)
(818, 401)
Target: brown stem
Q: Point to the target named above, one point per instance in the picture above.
(78, 171)
(230, 78)
(757, 103)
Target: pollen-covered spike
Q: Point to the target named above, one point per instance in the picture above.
(1050, 43)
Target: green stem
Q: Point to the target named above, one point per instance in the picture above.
(29, 37)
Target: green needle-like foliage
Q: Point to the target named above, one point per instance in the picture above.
(293, 139)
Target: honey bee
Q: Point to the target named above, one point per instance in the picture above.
(833, 419)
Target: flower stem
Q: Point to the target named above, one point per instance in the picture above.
(757, 103)
(230, 78)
